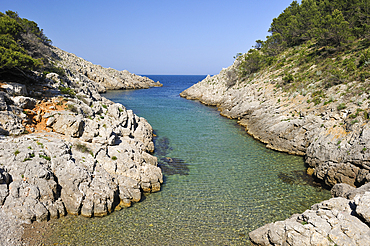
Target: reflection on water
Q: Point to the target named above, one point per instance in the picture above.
(219, 182)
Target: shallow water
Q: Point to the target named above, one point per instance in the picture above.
(219, 182)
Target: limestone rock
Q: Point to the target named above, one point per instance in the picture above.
(68, 124)
(341, 190)
(327, 223)
(362, 202)
(87, 156)
(24, 102)
(15, 89)
(98, 77)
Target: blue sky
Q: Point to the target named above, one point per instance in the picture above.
(153, 36)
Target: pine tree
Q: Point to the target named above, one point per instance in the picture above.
(334, 30)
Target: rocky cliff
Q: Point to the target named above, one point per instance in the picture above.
(66, 149)
(106, 78)
(333, 135)
(334, 140)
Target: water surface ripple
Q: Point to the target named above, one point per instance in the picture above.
(223, 185)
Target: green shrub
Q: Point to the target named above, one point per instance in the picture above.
(366, 115)
(341, 106)
(114, 158)
(45, 157)
(364, 75)
(72, 108)
(316, 101)
(364, 59)
(67, 91)
(288, 78)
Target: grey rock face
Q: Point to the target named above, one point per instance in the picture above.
(15, 89)
(44, 176)
(330, 222)
(100, 78)
(334, 145)
(95, 157)
(24, 102)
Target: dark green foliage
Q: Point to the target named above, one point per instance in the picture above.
(364, 59)
(321, 39)
(288, 78)
(341, 106)
(23, 47)
(67, 91)
(45, 157)
(364, 75)
(331, 22)
(251, 62)
(333, 30)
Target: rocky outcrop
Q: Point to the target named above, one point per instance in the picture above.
(79, 70)
(338, 221)
(66, 149)
(332, 137)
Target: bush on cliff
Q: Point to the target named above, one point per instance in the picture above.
(23, 47)
(317, 40)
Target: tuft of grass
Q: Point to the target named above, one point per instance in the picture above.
(67, 91)
(16, 152)
(114, 158)
(341, 106)
(72, 108)
(84, 149)
(45, 157)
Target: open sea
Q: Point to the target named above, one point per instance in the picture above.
(220, 183)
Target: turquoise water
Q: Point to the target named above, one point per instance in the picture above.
(221, 184)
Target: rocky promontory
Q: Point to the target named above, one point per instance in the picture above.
(331, 131)
(65, 149)
(106, 78)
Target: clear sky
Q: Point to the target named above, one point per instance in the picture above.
(153, 36)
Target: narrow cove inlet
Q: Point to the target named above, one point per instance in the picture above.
(219, 183)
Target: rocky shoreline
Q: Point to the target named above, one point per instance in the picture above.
(65, 149)
(336, 148)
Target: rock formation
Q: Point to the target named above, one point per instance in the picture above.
(66, 149)
(334, 137)
(335, 145)
(105, 78)
(338, 221)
